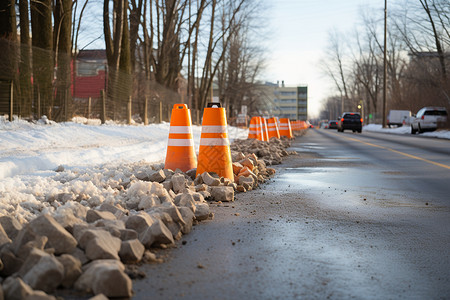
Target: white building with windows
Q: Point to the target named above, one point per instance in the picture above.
(291, 102)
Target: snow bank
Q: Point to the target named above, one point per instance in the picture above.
(26, 148)
(443, 134)
(96, 161)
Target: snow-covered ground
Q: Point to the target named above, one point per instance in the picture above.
(95, 160)
(443, 134)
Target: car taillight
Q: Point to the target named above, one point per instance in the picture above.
(342, 120)
(423, 117)
(362, 120)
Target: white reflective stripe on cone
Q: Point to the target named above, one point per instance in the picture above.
(272, 129)
(180, 142)
(214, 129)
(214, 142)
(284, 128)
(180, 129)
(252, 132)
(254, 126)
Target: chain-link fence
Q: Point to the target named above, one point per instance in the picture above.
(81, 86)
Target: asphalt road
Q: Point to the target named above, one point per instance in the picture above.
(364, 216)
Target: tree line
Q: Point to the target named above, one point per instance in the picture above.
(179, 46)
(417, 60)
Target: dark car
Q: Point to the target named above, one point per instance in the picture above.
(333, 124)
(351, 121)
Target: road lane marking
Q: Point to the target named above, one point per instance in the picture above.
(401, 153)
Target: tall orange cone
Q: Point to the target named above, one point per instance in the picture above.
(214, 154)
(254, 129)
(265, 129)
(180, 148)
(285, 128)
(272, 128)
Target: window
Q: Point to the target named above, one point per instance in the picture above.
(435, 113)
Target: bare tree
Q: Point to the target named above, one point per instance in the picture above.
(42, 41)
(334, 66)
(8, 43)
(63, 46)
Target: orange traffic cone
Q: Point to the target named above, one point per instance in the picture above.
(214, 154)
(265, 129)
(272, 128)
(261, 124)
(285, 128)
(180, 148)
(254, 128)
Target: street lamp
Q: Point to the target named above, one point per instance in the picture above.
(361, 107)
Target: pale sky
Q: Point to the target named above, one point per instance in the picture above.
(299, 33)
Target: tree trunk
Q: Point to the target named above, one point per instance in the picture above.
(63, 44)
(113, 49)
(125, 84)
(8, 43)
(26, 91)
(41, 27)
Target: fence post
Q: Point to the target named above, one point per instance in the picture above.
(146, 111)
(89, 108)
(38, 103)
(160, 112)
(103, 112)
(129, 111)
(11, 102)
(168, 112)
(66, 107)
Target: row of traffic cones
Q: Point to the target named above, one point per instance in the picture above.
(263, 130)
(214, 151)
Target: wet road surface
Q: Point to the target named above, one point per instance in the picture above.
(363, 216)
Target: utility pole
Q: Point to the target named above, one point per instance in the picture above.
(385, 65)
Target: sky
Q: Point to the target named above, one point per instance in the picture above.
(298, 40)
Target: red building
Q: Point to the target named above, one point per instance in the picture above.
(89, 77)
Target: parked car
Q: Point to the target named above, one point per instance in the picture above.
(323, 124)
(398, 117)
(333, 124)
(428, 119)
(350, 120)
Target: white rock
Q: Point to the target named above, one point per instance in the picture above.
(58, 238)
(149, 201)
(105, 277)
(10, 225)
(209, 180)
(15, 289)
(42, 271)
(4, 239)
(100, 244)
(178, 182)
(139, 222)
(131, 251)
(40, 295)
(158, 176)
(188, 217)
(72, 269)
(222, 193)
(201, 211)
(94, 215)
(156, 234)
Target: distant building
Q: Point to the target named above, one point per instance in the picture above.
(290, 102)
(90, 76)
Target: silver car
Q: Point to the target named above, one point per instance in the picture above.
(428, 119)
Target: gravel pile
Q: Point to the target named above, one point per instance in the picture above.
(88, 228)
